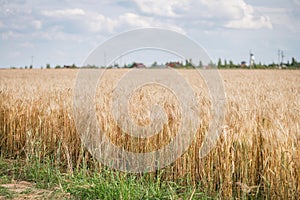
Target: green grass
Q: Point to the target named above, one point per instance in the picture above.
(113, 185)
(4, 192)
(91, 184)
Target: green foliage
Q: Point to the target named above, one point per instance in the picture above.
(48, 66)
(73, 66)
(154, 64)
(115, 185)
(294, 64)
(231, 65)
(188, 63)
(4, 192)
(289, 65)
(219, 63)
(85, 183)
(200, 64)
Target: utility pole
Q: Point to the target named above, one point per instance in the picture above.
(279, 64)
(282, 56)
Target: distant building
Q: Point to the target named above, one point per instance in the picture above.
(70, 66)
(243, 64)
(136, 65)
(174, 64)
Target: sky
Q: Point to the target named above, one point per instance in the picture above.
(65, 32)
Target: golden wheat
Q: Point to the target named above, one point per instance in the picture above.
(257, 154)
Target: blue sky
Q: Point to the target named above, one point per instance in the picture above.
(65, 32)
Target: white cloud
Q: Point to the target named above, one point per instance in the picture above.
(229, 13)
(37, 24)
(235, 14)
(162, 8)
(229, 9)
(98, 22)
(56, 33)
(282, 18)
(54, 25)
(11, 35)
(26, 45)
(297, 2)
(250, 22)
(137, 21)
(64, 13)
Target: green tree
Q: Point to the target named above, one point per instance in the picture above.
(294, 62)
(154, 64)
(186, 63)
(231, 65)
(225, 63)
(73, 66)
(212, 64)
(200, 64)
(219, 63)
(48, 66)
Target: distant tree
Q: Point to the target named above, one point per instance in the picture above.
(211, 64)
(272, 65)
(200, 64)
(219, 63)
(73, 66)
(57, 67)
(294, 62)
(231, 65)
(186, 63)
(154, 64)
(26, 67)
(259, 66)
(30, 67)
(48, 66)
(225, 63)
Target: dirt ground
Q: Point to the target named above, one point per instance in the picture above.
(20, 190)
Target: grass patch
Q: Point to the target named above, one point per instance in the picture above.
(113, 185)
(6, 193)
(90, 184)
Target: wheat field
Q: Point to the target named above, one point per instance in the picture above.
(257, 154)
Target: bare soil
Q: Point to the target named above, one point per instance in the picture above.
(20, 190)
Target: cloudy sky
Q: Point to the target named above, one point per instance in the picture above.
(65, 32)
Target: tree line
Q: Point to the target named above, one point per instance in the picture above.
(294, 64)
